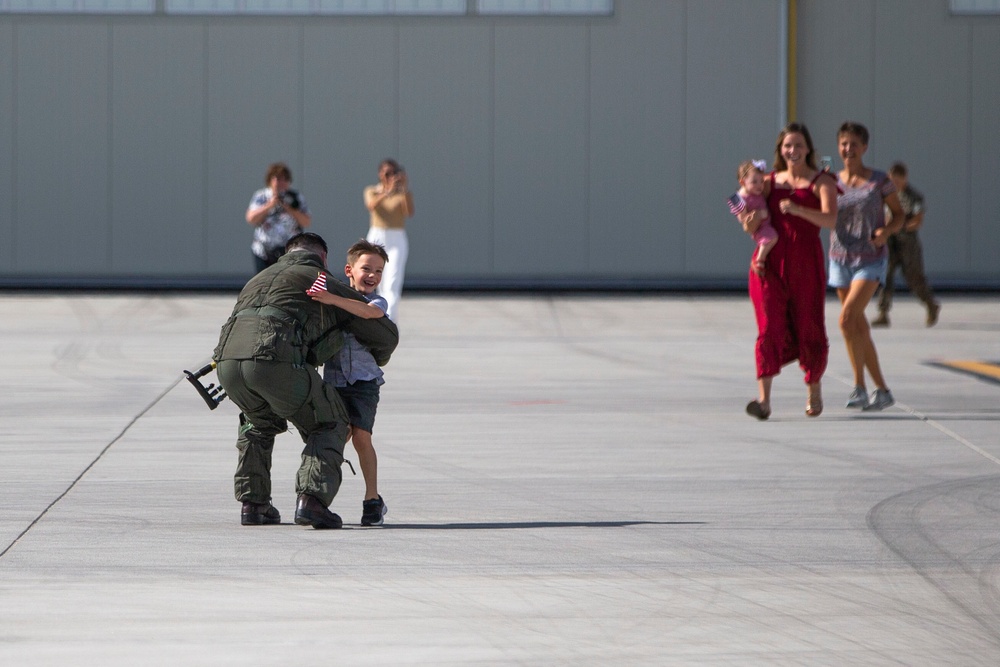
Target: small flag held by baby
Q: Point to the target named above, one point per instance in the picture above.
(318, 286)
(736, 204)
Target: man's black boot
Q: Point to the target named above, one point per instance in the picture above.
(309, 511)
(259, 514)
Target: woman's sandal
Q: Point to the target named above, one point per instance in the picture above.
(757, 409)
(814, 404)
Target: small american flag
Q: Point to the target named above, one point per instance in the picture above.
(736, 204)
(318, 286)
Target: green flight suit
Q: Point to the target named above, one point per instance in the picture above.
(266, 361)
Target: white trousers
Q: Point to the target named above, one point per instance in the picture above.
(397, 246)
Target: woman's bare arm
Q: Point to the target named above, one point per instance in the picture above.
(825, 216)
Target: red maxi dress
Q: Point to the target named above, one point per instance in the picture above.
(789, 299)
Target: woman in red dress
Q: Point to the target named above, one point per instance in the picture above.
(789, 298)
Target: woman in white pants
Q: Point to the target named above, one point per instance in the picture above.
(390, 203)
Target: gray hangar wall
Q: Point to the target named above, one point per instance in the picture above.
(925, 83)
(545, 151)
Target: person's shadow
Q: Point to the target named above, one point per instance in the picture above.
(510, 525)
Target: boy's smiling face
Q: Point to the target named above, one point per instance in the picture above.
(366, 272)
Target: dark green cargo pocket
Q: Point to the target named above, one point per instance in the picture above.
(264, 337)
(330, 409)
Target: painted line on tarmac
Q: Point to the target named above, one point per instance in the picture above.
(984, 370)
(89, 466)
(948, 432)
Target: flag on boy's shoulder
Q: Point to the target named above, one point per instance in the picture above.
(736, 204)
(318, 286)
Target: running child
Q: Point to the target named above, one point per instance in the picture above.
(354, 372)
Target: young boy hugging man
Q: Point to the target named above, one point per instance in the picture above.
(354, 372)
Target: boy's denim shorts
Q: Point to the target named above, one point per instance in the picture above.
(361, 400)
(842, 275)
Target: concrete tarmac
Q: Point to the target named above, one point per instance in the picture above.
(571, 480)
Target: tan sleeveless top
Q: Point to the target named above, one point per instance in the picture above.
(391, 211)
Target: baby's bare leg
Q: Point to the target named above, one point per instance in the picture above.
(764, 248)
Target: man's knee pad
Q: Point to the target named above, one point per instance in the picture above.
(261, 427)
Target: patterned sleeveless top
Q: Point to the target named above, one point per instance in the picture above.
(860, 211)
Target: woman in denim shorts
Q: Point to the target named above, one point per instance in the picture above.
(859, 258)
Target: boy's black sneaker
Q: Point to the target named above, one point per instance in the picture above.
(373, 511)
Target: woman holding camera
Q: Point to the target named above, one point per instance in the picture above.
(277, 213)
(390, 203)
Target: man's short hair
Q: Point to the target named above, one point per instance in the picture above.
(898, 169)
(306, 241)
(363, 247)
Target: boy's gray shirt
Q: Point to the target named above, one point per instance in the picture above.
(355, 362)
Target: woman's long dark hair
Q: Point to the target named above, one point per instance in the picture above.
(794, 128)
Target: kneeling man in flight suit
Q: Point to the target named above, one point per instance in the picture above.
(266, 362)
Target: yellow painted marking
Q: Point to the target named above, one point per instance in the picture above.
(984, 369)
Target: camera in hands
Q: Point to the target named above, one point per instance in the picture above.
(290, 198)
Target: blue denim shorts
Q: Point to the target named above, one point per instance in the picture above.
(842, 275)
